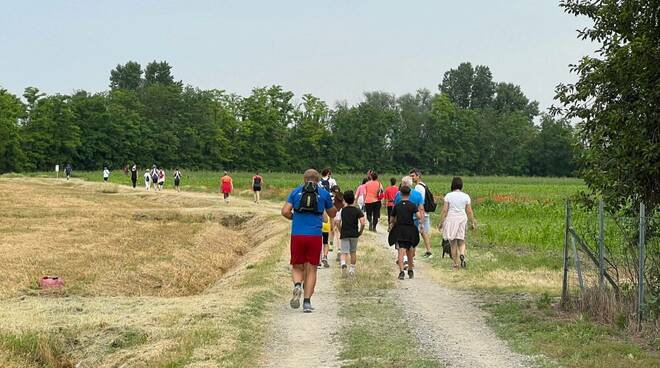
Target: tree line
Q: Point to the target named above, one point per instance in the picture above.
(472, 125)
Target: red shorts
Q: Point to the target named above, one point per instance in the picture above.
(306, 249)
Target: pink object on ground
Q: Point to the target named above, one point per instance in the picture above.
(50, 282)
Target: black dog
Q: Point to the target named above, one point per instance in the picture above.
(446, 248)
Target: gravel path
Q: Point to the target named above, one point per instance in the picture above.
(306, 339)
(448, 324)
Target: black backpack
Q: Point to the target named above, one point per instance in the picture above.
(325, 184)
(309, 199)
(429, 201)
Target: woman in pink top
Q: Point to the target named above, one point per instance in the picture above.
(373, 195)
(359, 194)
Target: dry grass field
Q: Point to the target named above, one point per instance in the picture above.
(151, 279)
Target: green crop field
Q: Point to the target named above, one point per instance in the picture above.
(511, 211)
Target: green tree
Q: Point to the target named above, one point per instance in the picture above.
(158, 73)
(310, 144)
(12, 110)
(552, 149)
(50, 135)
(127, 76)
(510, 98)
(616, 100)
(468, 87)
(409, 131)
(262, 134)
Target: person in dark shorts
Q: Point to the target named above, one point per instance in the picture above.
(134, 175)
(177, 179)
(351, 218)
(257, 183)
(305, 207)
(404, 232)
(67, 171)
(390, 194)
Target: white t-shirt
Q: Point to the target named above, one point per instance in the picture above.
(457, 201)
(106, 173)
(147, 176)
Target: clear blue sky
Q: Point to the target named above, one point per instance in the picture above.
(333, 49)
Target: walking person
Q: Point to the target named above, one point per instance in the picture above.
(390, 194)
(134, 175)
(418, 201)
(360, 193)
(147, 179)
(68, 170)
(106, 174)
(161, 178)
(325, 232)
(305, 207)
(335, 232)
(404, 233)
(257, 182)
(429, 206)
(226, 186)
(177, 179)
(373, 194)
(327, 181)
(455, 213)
(154, 177)
(351, 217)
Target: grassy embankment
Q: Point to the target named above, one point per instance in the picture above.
(144, 277)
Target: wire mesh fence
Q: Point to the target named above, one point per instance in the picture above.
(611, 264)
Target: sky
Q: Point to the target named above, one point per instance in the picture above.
(335, 50)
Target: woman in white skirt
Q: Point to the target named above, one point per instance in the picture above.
(455, 213)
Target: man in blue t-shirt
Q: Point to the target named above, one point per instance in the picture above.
(306, 236)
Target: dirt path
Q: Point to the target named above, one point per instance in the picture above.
(449, 326)
(306, 339)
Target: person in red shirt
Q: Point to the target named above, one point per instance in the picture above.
(226, 186)
(390, 193)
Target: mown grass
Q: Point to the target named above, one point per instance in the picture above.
(376, 333)
(568, 341)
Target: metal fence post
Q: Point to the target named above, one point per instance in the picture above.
(601, 245)
(642, 261)
(564, 286)
(578, 266)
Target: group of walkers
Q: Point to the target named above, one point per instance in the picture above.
(156, 178)
(322, 215)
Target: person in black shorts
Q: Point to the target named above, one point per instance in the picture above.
(257, 182)
(403, 231)
(134, 175)
(177, 179)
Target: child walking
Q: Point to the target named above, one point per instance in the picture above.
(351, 216)
(147, 179)
(106, 174)
(403, 231)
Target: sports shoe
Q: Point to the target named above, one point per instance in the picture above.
(411, 274)
(428, 254)
(351, 272)
(325, 262)
(307, 307)
(295, 299)
(463, 264)
(402, 275)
